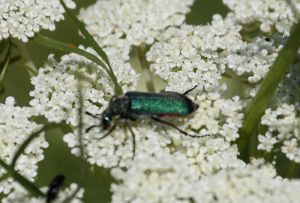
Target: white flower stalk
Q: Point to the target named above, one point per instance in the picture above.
(122, 24)
(269, 14)
(22, 19)
(253, 183)
(15, 127)
(20, 195)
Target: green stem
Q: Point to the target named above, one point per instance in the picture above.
(267, 88)
(28, 141)
(92, 42)
(291, 169)
(32, 70)
(81, 146)
(70, 48)
(145, 67)
(31, 187)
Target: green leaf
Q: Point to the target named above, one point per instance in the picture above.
(92, 42)
(268, 87)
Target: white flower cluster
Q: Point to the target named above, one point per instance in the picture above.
(122, 24)
(56, 96)
(20, 195)
(256, 182)
(268, 13)
(21, 19)
(282, 119)
(15, 127)
(190, 55)
(55, 93)
(166, 178)
(161, 178)
(201, 55)
(283, 126)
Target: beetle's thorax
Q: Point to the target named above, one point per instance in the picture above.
(119, 106)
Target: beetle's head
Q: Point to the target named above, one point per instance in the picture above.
(106, 119)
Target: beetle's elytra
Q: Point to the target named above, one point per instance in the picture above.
(134, 105)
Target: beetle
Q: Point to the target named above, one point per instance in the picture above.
(134, 105)
(54, 187)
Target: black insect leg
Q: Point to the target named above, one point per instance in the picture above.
(109, 131)
(133, 140)
(188, 91)
(174, 126)
(91, 127)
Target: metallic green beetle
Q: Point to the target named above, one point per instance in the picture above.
(134, 105)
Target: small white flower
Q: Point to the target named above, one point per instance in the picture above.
(21, 19)
(252, 183)
(283, 125)
(266, 142)
(121, 23)
(269, 13)
(15, 127)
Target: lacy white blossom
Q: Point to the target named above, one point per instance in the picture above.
(162, 178)
(15, 127)
(190, 55)
(268, 13)
(56, 86)
(253, 59)
(56, 94)
(168, 178)
(283, 126)
(121, 23)
(20, 195)
(253, 183)
(22, 18)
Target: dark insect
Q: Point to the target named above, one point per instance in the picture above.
(134, 105)
(54, 187)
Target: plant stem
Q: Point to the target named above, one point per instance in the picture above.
(145, 68)
(28, 141)
(267, 89)
(70, 48)
(92, 42)
(31, 187)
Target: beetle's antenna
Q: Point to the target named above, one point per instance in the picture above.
(133, 140)
(186, 92)
(92, 115)
(91, 127)
(174, 126)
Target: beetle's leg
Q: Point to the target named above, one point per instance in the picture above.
(91, 127)
(133, 140)
(93, 115)
(109, 131)
(174, 126)
(186, 92)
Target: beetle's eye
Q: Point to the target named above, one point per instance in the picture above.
(106, 121)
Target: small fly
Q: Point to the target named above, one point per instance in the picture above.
(134, 105)
(54, 187)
